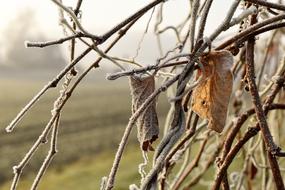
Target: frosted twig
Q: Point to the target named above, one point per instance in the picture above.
(205, 167)
(58, 104)
(168, 141)
(250, 30)
(251, 10)
(134, 117)
(192, 164)
(184, 77)
(74, 18)
(280, 71)
(159, 20)
(203, 20)
(194, 12)
(117, 75)
(266, 53)
(126, 61)
(53, 121)
(181, 55)
(104, 55)
(191, 86)
(98, 50)
(134, 16)
(57, 110)
(277, 6)
(175, 143)
(18, 169)
(168, 52)
(96, 63)
(143, 165)
(143, 36)
(51, 84)
(55, 42)
(173, 29)
(226, 23)
(51, 154)
(162, 150)
(103, 183)
(185, 141)
(41, 139)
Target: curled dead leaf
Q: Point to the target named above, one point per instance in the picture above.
(211, 96)
(147, 123)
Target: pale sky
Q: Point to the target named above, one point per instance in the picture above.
(99, 15)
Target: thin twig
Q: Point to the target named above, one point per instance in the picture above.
(134, 117)
(266, 53)
(262, 30)
(51, 84)
(117, 75)
(267, 137)
(55, 42)
(50, 156)
(204, 20)
(249, 134)
(192, 28)
(74, 18)
(191, 165)
(268, 4)
(249, 30)
(42, 138)
(206, 166)
(134, 16)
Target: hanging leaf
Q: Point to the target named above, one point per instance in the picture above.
(147, 123)
(211, 97)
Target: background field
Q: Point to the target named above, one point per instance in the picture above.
(91, 126)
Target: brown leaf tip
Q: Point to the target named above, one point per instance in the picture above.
(146, 145)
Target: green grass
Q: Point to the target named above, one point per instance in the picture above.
(87, 173)
(91, 126)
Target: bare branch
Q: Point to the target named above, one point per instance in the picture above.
(268, 4)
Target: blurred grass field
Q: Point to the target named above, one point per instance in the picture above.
(91, 126)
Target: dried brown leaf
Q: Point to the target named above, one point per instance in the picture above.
(147, 123)
(211, 97)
